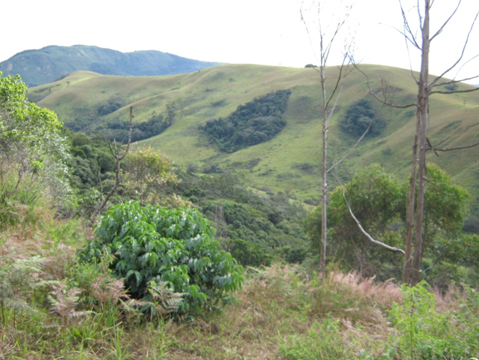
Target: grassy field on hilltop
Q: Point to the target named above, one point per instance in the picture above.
(290, 161)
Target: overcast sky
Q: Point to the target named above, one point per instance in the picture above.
(268, 32)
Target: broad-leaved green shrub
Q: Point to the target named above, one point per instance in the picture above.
(173, 246)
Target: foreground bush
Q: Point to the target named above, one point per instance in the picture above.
(170, 246)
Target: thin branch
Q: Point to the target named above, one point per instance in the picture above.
(407, 29)
(339, 83)
(355, 145)
(452, 148)
(118, 157)
(370, 238)
(462, 53)
(331, 112)
(378, 98)
(445, 22)
(101, 186)
(454, 92)
(419, 15)
(451, 82)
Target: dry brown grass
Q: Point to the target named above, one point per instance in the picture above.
(383, 294)
(274, 304)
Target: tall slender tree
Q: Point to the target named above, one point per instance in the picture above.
(422, 42)
(328, 29)
(427, 86)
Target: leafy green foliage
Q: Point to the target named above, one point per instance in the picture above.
(378, 202)
(147, 174)
(445, 212)
(108, 108)
(253, 123)
(90, 157)
(426, 333)
(175, 246)
(249, 253)
(374, 197)
(33, 153)
(116, 129)
(254, 227)
(91, 167)
(263, 228)
(444, 204)
(358, 117)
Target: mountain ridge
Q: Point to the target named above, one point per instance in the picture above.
(41, 66)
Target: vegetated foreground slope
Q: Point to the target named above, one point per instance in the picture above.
(42, 66)
(290, 160)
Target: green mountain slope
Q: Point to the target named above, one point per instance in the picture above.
(290, 160)
(48, 64)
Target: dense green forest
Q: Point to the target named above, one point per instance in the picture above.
(117, 129)
(251, 124)
(358, 119)
(181, 256)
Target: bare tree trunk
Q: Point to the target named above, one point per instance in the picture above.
(324, 173)
(410, 207)
(422, 111)
(327, 38)
(412, 264)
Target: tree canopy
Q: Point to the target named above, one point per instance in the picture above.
(378, 202)
(252, 123)
(31, 144)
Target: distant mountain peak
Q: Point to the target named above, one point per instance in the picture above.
(41, 66)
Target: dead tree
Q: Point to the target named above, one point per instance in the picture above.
(119, 156)
(415, 204)
(412, 269)
(328, 102)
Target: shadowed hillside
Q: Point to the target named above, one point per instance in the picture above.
(289, 161)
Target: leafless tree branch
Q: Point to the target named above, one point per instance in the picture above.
(356, 144)
(462, 52)
(118, 157)
(384, 102)
(450, 82)
(452, 148)
(445, 22)
(408, 34)
(453, 92)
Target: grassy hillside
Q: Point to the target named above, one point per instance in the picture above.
(290, 161)
(50, 63)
